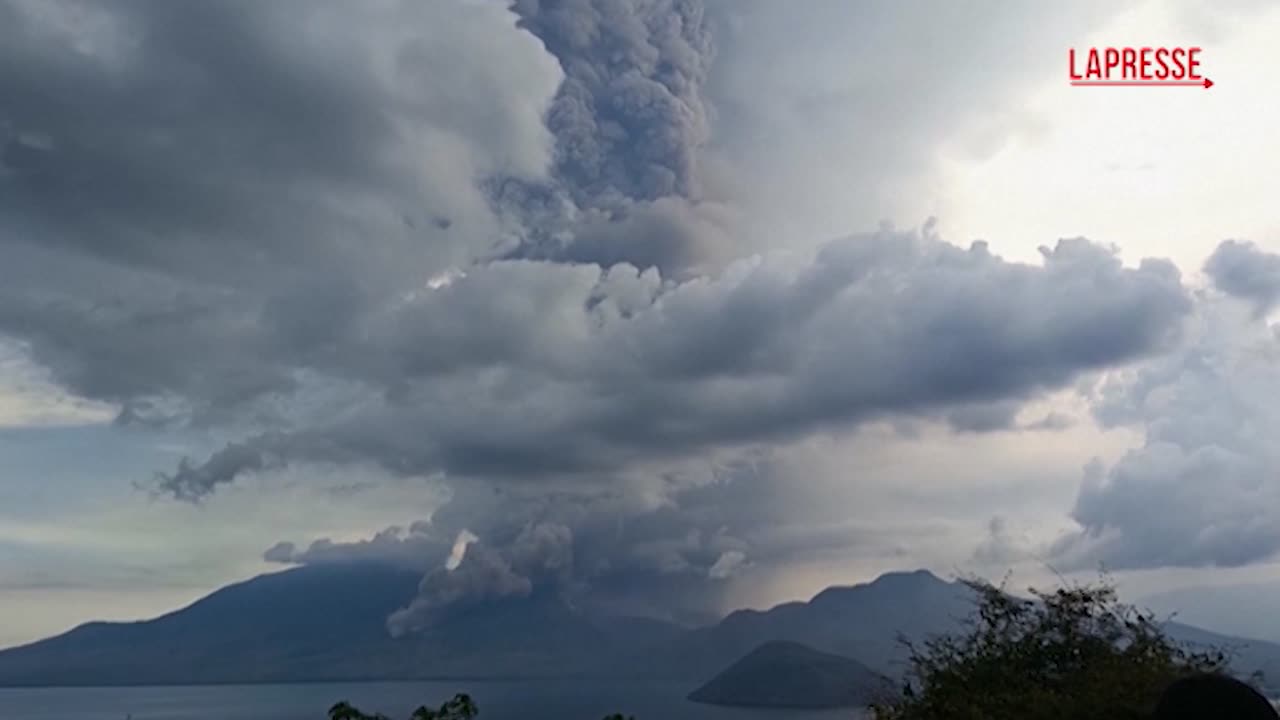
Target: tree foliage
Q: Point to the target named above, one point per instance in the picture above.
(1073, 653)
(461, 707)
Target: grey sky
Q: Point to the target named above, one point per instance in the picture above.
(600, 283)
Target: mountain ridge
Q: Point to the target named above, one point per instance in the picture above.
(327, 622)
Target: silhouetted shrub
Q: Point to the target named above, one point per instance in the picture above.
(1070, 654)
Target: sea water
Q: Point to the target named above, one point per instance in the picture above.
(526, 700)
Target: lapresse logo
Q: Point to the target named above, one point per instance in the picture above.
(1136, 67)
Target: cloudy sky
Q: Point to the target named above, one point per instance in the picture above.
(672, 305)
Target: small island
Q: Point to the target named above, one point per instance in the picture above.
(790, 675)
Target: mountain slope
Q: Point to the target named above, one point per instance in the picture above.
(791, 675)
(328, 623)
(257, 629)
(324, 623)
(1248, 656)
(1251, 609)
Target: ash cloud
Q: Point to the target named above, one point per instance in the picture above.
(278, 222)
(541, 555)
(630, 116)
(630, 122)
(356, 335)
(418, 547)
(614, 560)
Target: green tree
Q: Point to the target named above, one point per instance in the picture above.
(1073, 653)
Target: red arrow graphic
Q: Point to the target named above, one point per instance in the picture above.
(1205, 83)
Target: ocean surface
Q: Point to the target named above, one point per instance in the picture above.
(496, 700)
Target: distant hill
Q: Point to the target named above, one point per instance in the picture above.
(1248, 656)
(865, 622)
(862, 622)
(1250, 609)
(791, 675)
(328, 622)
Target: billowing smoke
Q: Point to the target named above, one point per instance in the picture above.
(600, 555)
(875, 326)
(630, 120)
(299, 252)
(417, 548)
(459, 549)
(540, 555)
(727, 564)
(629, 117)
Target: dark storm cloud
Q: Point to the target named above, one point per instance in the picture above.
(198, 197)
(984, 417)
(1001, 415)
(232, 121)
(311, 278)
(1244, 270)
(282, 222)
(572, 370)
(1201, 489)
